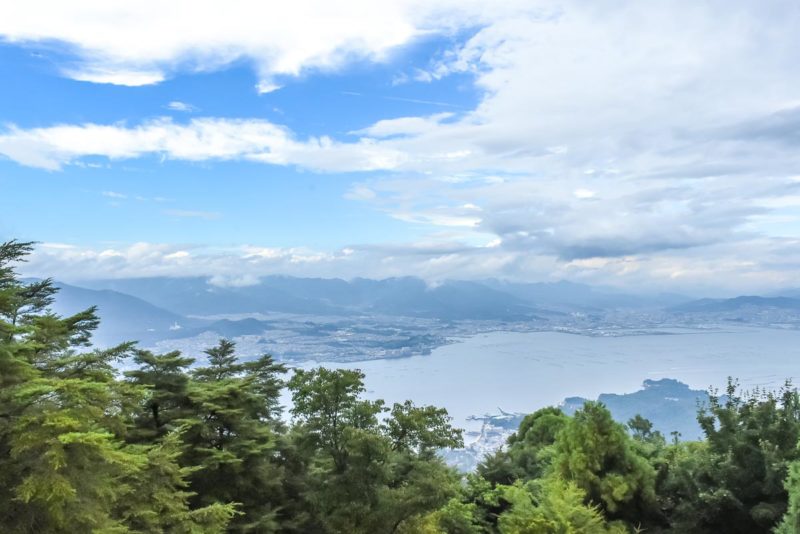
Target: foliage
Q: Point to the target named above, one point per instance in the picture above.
(734, 481)
(552, 505)
(530, 449)
(596, 453)
(65, 462)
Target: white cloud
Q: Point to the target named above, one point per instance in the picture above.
(771, 267)
(177, 105)
(583, 193)
(198, 140)
(114, 76)
(360, 192)
(143, 42)
(114, 194)
(405, 126)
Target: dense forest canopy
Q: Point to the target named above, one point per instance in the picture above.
(174, 445)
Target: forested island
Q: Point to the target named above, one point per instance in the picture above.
(168, 446)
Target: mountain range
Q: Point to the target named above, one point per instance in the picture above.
(150, 309)
(738, 303)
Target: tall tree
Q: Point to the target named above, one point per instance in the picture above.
(231, 434)
(735, 481)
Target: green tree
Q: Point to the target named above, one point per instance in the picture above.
(65, 464)
(790, 523)
(552, 506)
(361, 475)
(231, 435)
(597, 454)
(165, 377)
(735, 481)
(529, 450)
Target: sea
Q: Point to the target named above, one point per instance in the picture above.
(522, 372)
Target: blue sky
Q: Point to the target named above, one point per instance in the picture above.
(222, 203)
(641, 146)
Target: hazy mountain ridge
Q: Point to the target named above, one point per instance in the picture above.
(564, 295)
(406, 296)
(739, 303)
(411, 296)
(161, 308)
(124, 317)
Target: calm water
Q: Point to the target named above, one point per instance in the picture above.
(521, 372)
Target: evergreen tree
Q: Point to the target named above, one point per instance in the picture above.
(790, 523)
(231, 436)
(64, 417)
(166, 378)
(552, 506)
(597, 455)
(735, 481)
(529, 450)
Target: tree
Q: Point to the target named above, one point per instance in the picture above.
(230, 436)
(597, 455)
(529, 451)
(790, 524)
(166, 378)
(552, 506)
(361, 475)
(65, 464)
(421, 429)
(327, 406)
(736, 482)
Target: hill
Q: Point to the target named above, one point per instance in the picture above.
(669, 404)
(123, 317)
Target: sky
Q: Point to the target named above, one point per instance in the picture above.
(650, 146)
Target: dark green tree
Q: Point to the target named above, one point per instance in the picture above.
(529, 451)
(231, 436)
(165, 377)
(735, 481)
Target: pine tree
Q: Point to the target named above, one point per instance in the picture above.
(166, 378)
(231, 434)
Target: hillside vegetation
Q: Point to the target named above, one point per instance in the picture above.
(173, 445)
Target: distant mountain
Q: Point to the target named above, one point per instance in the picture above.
(791, 293)
(565, 295)
(738, 303)
(669, 404)
(123, 317)
(450, 301)
(196, 296)
(408, 296)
